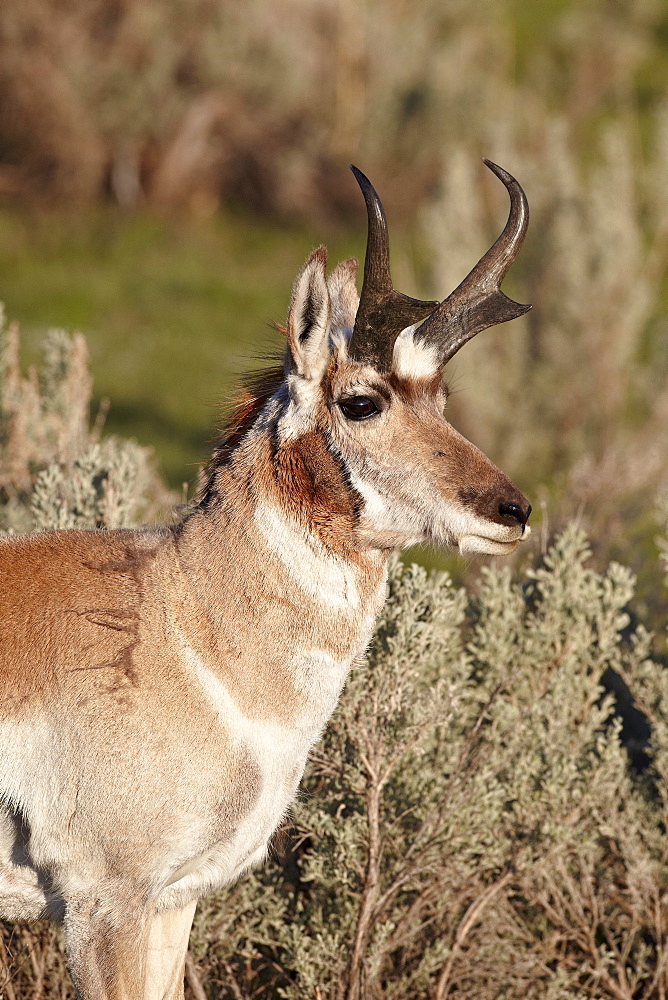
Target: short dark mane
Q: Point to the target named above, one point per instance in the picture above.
(255, 389)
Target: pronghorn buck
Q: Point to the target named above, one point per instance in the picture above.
(160, 689)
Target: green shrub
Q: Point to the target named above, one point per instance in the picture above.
(54, 471)
(469, 827)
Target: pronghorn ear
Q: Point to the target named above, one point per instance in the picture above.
(308, 318)
(343, 294)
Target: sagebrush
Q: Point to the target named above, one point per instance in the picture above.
(471, 825)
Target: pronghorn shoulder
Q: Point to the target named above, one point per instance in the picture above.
(57, 569)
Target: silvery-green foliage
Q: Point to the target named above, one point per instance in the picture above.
(470, 826)
(54, 471)
(99, 488)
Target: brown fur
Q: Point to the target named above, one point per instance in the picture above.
(412, 390)
(314, 483)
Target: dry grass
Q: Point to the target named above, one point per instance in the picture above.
(193, 105)
(181, 104)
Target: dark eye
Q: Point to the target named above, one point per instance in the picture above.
(358, 407)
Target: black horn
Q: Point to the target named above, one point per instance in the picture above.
(478, 301)
(383, 312)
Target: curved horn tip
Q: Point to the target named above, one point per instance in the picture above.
(502, 174)
(368, 190)
(360, 177)
(371, 197)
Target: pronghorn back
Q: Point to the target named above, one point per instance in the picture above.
(160, 689)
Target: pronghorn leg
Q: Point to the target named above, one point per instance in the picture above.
(107, 940)
(126, 952)
(167, 946)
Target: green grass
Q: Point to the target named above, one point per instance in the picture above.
(172, 311)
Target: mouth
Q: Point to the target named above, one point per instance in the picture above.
(492, 546)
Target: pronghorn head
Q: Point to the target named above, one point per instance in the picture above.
(368, 374)
(363, 392)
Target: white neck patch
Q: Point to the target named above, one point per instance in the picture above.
(310, 565)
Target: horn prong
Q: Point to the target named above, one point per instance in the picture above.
(475, 304)
(478, 301)
(383, 312)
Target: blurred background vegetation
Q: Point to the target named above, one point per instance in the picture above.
(165, 167)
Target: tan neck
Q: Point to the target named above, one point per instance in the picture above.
(273, 581)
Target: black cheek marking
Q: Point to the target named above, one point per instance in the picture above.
(356, 497)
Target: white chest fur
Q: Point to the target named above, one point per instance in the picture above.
(279, 752)
(313, 568)
(278, 745)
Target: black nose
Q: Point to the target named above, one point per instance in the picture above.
(516, 512)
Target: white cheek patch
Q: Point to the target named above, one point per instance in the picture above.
(312, 567)
(386, 516)
(375, 505)
(414, 359)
